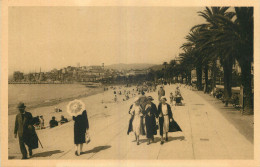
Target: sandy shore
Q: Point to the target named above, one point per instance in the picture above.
(47, 109)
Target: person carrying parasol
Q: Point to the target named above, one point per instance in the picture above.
(76, 109)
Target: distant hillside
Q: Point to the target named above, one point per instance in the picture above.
(123, 66)
(157, 67)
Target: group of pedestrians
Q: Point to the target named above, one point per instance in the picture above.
(146, 118)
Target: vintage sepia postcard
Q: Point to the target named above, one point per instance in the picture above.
(129, 83)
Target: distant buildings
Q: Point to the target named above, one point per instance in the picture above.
(75, 74)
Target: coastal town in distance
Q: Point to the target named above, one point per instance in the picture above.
(131, 83)
(79, 73)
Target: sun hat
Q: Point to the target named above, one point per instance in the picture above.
(164, 97)
(21, 105)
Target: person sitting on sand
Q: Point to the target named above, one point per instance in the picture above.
(53, 122)
(41, 122)
(63, 120)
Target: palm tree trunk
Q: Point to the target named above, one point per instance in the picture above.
(246, 83)
(189, 77)
(213, 75)
(227, 80)
(199, 76)
(206, 78)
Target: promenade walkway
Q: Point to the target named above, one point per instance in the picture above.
(207, 134)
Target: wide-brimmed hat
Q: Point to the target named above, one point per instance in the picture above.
(150, 98)
(163, 97)
(21, 105)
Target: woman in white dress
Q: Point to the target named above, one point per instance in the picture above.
(166, 121)
(137, 120)
(165, 117)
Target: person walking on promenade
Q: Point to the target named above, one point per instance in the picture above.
(166, 121)
(150, 121)
(78, 112)
(138, 127)
(161, 92)
(25, 130)
(81, 127)
(171, 98)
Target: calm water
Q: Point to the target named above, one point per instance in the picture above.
(36, 93)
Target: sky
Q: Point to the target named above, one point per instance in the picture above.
(56, 37)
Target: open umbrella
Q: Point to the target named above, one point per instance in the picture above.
(75, 107)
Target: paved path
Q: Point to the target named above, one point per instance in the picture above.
(206, 135)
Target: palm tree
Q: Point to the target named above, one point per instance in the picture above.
(192, 47)
(210, 44)
(165, 65)
(238, 37)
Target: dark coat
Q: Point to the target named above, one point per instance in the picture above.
(173, 126)
(25, 129)
(80, 127)
(150, 121)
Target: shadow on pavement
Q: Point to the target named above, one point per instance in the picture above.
(176, 138)
(12, 157)
(97, 149)
(47, 153)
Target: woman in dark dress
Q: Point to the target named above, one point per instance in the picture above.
(81, 126)
(150, 121)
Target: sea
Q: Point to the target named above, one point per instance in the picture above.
(34, 95)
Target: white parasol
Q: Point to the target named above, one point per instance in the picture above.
(75, 107)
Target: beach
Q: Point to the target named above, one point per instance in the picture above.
(54, 96)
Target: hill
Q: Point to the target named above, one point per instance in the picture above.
(157, 67)
(123, 66)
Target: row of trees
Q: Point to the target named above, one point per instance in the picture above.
(226, 37)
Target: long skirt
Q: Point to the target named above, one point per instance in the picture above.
(150, 124)
(137, 125)
(164, 124)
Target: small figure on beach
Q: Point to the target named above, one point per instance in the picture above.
(166, 121)
(63, 120)
(56, 109)
(41, 122)
(150, 121)
(161, 92)
(36, 122)
(53, 123)
(25, 130)
(78, 112)
(115, 98)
